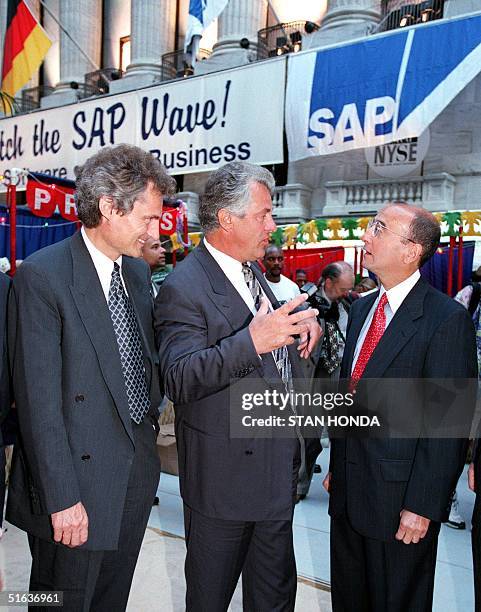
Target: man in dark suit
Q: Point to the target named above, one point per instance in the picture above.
(5, 395)
(238, 493)
(389, 496)
(85, 378)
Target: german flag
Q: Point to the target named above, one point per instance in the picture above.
(26, 44)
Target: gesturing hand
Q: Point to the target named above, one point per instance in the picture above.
(271, 330)
(71, 526)
(412, 527)
(309, 338)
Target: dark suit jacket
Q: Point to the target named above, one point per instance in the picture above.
(5, 391)
(76, 439)
(430, 336)
(204, 344)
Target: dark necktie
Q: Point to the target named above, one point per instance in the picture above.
(281, 355)
(127, 333)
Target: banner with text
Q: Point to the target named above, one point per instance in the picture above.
(380, 89)
(192, 125)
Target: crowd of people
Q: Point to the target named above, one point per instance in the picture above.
(96, 338)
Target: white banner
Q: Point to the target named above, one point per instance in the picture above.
(192, 125)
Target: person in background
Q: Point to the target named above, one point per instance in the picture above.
(332, 300)
(282, 287)
(5, 391)
(301, 278)
(469, 298)
(365, 286)
(154, 254)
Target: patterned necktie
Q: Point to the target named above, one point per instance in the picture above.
(374, 333)
(127, 333)
(281, 355)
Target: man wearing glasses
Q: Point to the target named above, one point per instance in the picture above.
(389, 496)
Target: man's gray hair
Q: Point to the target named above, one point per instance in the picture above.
(229, 187)
(334, 270)
(122, 173)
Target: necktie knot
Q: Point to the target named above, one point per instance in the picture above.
(382, 302)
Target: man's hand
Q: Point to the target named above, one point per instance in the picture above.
(471, 483)
(309, 338)
(71, 526)
(412, 527)
(326, 483)
(271, 330)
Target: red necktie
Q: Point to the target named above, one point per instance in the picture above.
(374, 333)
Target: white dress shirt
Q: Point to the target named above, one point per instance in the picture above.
(103, 264)
(395, 297)
(232, 268)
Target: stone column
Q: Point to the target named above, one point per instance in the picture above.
(345, 20)
(152, 34)
(82, 19)
(116, 25)
(240, 19)
(51, 63)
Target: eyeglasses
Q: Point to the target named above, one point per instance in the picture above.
(377, 227)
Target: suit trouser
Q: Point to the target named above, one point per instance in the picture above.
(219, 550)
(476, 546)
(373, 576)
(310, 450)
(100, 580)
(2, 481)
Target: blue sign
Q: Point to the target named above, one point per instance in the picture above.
(380, 89)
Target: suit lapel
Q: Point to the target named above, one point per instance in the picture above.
(399, 331)
(92, 307)
(231, 305)
(354, 329)
(225, 297)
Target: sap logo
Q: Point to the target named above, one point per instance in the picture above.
(347, 132)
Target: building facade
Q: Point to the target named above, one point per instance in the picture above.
(114, 49)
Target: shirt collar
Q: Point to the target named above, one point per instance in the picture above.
(100, 259)
(226, 262)
(397, 294)
(324, 295)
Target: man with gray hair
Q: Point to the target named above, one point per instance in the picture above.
(238, 493)
(86, 469)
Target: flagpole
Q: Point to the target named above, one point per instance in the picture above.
(67, 33)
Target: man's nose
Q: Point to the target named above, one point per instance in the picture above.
(271, 224)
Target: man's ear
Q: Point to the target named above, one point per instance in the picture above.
(414, 253)
(225, 219)
(106, 206)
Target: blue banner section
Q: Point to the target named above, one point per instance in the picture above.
(33, 233)
(353, 74)
(435, 53)
(380, 89)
